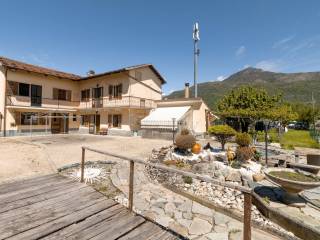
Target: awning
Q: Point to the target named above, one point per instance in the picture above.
(163, 117)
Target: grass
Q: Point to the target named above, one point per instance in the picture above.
(291, 139)
(298, 138)
(294, 176)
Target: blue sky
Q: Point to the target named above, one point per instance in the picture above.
(78, 35)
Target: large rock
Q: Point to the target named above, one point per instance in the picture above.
(234, 176)
(199, 227)
(200, 209)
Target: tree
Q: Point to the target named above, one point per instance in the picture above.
(223, 133)
(306, 113)
(255, 104)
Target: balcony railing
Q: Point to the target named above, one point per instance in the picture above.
(125, 101)
(105, 102)
(21, 101)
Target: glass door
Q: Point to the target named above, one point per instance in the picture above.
(36, 95)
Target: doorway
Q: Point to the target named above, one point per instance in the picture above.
(94, 124)
(59, 123)
(36, 95)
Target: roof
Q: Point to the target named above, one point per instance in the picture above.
(162, 117)
(125, 69)
(13, 64)
(183, 102)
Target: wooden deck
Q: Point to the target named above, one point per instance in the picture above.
(55, 207)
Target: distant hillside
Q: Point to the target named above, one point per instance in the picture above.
(295, 87)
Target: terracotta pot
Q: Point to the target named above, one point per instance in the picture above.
(196, 149)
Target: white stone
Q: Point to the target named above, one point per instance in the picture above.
(169, 209)
(217, 236)
(164, 220)
(220, 218)
(200, 209)
(199, 227)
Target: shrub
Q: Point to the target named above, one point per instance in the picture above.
(243, 139)
(187, 179)
(244, 153)
(185, 142)
(185, 131)
(223, 133)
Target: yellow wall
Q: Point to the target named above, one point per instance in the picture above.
(2, 94)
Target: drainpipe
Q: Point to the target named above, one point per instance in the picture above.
(5, 104)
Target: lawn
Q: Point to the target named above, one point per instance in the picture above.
(291, 139)
(298, 138)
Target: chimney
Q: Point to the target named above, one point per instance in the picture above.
(186, 90)
(90, 73)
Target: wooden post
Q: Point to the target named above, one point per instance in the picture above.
(131, 185)
(82, 165)
(247, 216)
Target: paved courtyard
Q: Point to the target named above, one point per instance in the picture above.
(23, 157)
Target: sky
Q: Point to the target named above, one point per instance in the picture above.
(78, 35)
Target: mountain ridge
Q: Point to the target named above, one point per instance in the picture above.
(295, 87)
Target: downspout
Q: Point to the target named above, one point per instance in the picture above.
(5, 104)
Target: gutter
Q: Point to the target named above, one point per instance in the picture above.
(5, 104)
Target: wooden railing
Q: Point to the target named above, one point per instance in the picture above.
(247, 192)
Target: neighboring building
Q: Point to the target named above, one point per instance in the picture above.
(190, 113)
(37, 99)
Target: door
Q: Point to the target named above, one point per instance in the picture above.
(36, 95)
(94, 125)
(59, 123)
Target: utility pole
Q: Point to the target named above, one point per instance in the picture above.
(196, 53)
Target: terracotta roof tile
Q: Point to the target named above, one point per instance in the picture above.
(13, 64)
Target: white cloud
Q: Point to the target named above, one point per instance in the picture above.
(270, 65)
(282, 42)
(240, 51)
(221, 78)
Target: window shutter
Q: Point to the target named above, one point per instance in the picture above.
(55, 94)
(120, 91)
(68, 95)
(120, 116)
(110, 91)
(109, 120)
(12, 88)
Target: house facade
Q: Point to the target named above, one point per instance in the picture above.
(34, 99)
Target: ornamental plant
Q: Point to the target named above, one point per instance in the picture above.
(185, 141)
(223, 133)
(243, 139)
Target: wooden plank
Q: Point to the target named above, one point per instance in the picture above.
(145, 231)
(51, 203)
(88, 222)
(25, 222)
(60, 223)
(121, 227)
(20, 184)
(32, 191)
(131, 180)
(247, 216)
(100, 227)
(55, 192)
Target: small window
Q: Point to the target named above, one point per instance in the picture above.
(115, 91)
(61, 94)
(24, 89)
(74, 117)
(114, 120)
(85, 95)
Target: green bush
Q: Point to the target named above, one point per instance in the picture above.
(187, 179)
(244, 153)
(185, 142)
(243, 139)
(223, 133)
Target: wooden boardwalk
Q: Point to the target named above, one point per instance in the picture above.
(55, 207)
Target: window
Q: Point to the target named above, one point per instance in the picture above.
(74, 117)
(114, 120)
(85, 120)
(61, 94)
(24, 89)
(115, 91)
(18, 89)
(97, 92)
(28, 118)
(85, 95)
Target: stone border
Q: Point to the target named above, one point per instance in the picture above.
(72, 165)
(297, 227)
(230, 213)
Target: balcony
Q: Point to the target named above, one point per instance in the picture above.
(125, 102)
(48, 103)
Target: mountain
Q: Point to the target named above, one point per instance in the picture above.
(295, 87)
